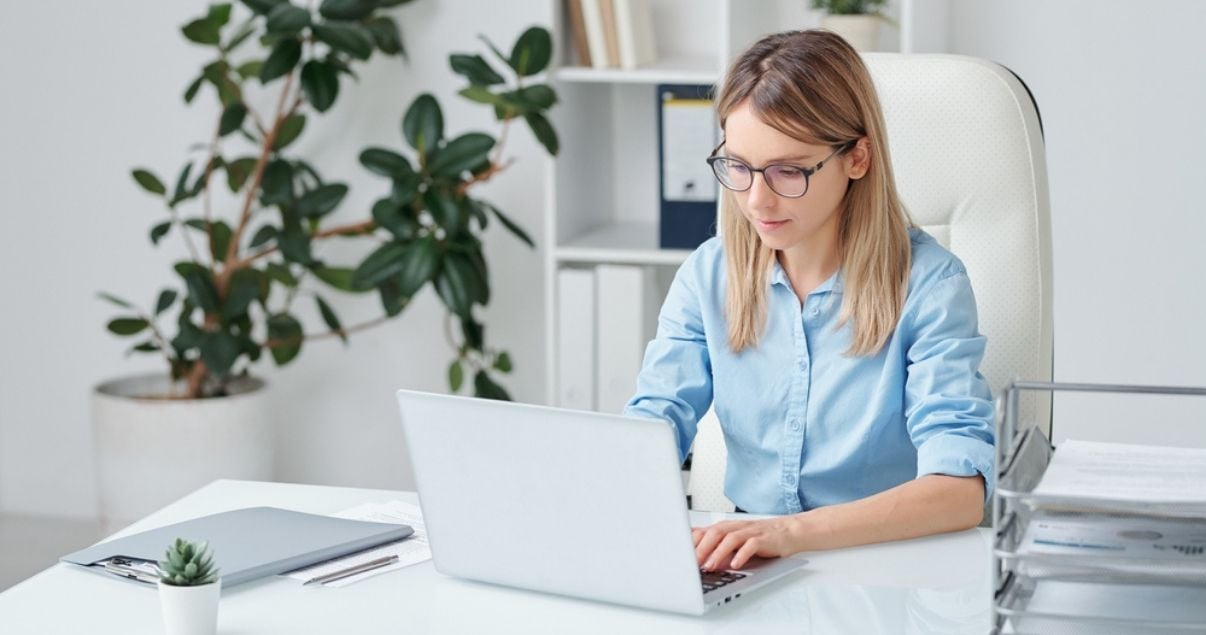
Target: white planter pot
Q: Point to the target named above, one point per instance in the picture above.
(151, 451)
(190, 610)
(861, 31)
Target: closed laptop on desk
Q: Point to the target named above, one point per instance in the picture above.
(562, 501)
(250, 543)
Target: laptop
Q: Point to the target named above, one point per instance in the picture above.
(580, 504)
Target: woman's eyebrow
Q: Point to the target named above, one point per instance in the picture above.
(794, 157)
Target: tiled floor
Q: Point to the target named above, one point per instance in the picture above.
(29, 544)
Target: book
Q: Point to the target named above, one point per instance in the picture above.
(596, 40)
(634, 30)
(578, 30)
(607, 10)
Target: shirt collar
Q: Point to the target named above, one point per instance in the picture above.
(832, 284)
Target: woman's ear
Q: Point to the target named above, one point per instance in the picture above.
(858, 160)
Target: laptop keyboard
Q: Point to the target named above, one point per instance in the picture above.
(713, 580)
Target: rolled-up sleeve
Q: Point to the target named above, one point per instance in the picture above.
(675, 383)
(948, 404)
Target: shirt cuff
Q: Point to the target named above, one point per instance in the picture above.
(958, 455)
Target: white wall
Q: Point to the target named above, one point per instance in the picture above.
(91, 90)
(1122, 91)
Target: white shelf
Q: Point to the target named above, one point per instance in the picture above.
(621, 243)
(670, 70)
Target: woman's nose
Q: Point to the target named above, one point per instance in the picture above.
(760, 194)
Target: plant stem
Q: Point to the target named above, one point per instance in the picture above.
(363, 227)
(348, 330)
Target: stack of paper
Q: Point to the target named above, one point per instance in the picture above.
(412, 550)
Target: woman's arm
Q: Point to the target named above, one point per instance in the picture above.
(931, 504)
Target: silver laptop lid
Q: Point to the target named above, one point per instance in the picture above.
(562, 501)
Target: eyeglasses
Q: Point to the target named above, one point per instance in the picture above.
(788, 181)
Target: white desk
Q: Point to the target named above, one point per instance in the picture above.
(932, 585)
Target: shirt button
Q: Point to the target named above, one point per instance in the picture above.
(795, 424)
(802, 364)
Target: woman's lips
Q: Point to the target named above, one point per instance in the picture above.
(770, 225)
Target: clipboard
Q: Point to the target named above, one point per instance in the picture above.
(687, 132)
(247, 544)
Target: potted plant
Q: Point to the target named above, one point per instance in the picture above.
(189, 588)
(857, 21)
(234, 299)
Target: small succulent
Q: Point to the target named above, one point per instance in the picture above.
(187, 564)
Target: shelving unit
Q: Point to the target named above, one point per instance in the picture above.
(602, 202)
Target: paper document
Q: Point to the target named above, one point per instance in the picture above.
(412, 550)
(1135, 545)
(1135, 478)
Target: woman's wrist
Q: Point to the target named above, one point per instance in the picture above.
(808, 530)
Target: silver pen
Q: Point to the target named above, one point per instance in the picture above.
(351, 571)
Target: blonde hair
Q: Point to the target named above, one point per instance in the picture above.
(813, 86)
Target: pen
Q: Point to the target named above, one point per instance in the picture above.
(351, 571)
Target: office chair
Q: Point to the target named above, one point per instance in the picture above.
(967, 147)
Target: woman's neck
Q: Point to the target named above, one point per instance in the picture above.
(811, 262)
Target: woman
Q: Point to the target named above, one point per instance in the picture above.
(837, 343)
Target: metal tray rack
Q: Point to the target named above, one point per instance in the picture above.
(1174, 603)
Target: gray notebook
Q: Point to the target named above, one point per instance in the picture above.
(247, 543)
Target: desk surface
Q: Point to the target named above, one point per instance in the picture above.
(931, 585)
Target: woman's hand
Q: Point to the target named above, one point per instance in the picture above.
(741, 540)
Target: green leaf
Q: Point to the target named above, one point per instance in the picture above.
(232, 118)
(503, 362)
(423, 124)
(276, 187)
(320, 81)
(532, 51)
(391, 299)
(388, 215)
(474, 334)
(283, 326)
(281, 60)
(263, 236)
(219, 350)
(385, 162)
(145, 347)
(482, 95)
(219, 241)
(348, 38)
(166, 298)
(445, 210)
(201, 31)
(128, 326)
(544, 131)
(475, 69)
(291, 128)
(125, 304)
(485, 388)
(149, 181)
(512, 226)
(192, 89)
(201, 291)
(182, 189)
(238, 171)
(346, 9)
(250, 69)
(244, 289)
(286, 19)
(322, 200)
(159, 231)
(458, 285)
(219, 14)
(456, 376)
(295, 242)
(244, 32)
(330, 318)
(535, 97)
(419, 264)
(405, 190)
(384, 32)
(497, 53)
(262, 7)
(385, 262)
(282, 274)
(461, 154)
(340, 278)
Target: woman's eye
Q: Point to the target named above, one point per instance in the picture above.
(737, 168)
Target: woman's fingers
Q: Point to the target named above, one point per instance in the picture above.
(747, 551)
(724, 550)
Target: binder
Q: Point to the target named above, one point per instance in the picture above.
(687, 132)
(627, 304)
(247, 544)
(576, 339)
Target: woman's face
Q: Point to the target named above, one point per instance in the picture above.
(786, 222)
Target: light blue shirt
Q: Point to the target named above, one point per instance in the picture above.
(805, 424)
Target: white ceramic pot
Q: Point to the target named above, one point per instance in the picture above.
(151, 450)
(190, 610)
(861, 31)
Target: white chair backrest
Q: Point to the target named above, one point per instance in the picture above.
(967, 150)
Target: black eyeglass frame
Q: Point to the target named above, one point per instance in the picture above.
(713, 159)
